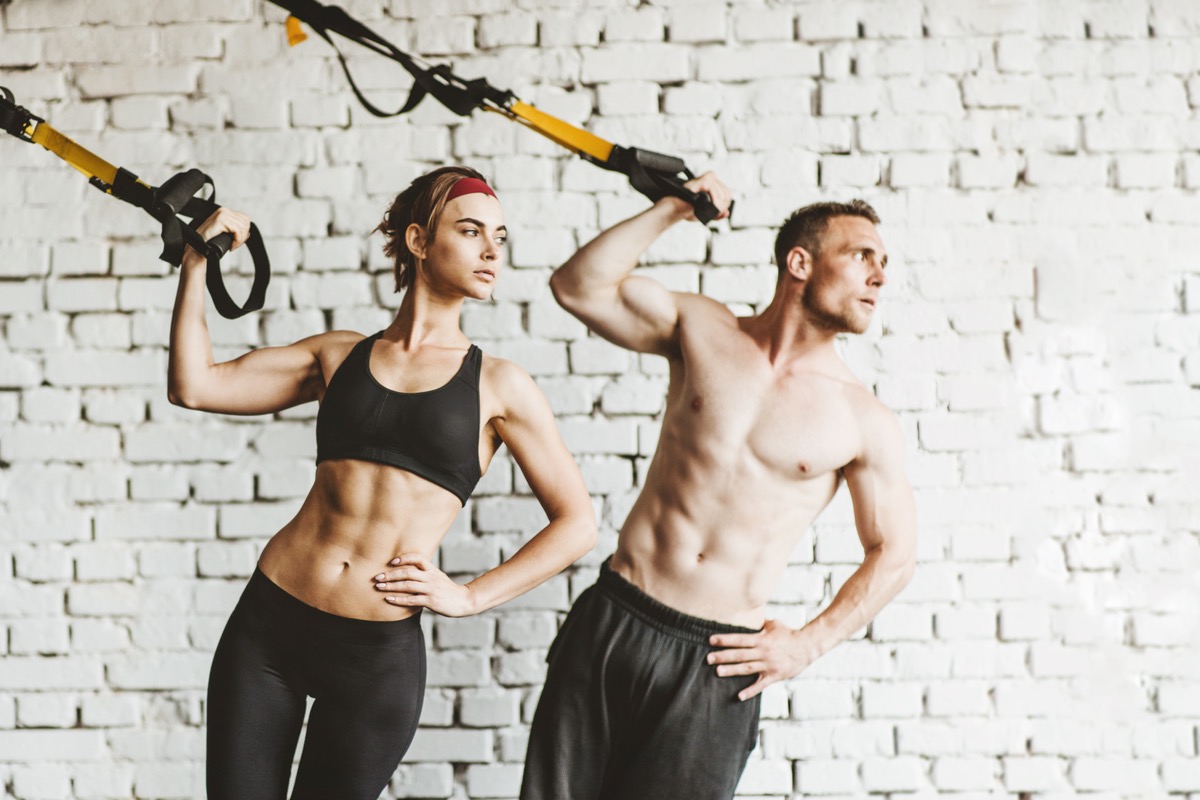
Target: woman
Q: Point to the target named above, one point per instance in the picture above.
(409, 420)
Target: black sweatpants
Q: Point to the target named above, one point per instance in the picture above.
(631, 710)
(367, 679)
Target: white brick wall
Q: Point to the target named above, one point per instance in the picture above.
(1036, 166)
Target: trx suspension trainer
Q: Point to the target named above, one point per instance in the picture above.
(177, 196)
(653, 174)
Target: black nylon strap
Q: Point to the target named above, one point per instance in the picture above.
(653, 174)
(657, 175)
(177, 196)
(458, 95)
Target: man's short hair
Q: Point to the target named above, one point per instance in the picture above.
(806, 226)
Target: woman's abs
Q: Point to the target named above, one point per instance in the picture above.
(329, 554)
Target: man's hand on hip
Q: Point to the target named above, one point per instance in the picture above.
(774, 654)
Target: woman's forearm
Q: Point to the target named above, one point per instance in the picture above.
(190, 354)
(553, 549)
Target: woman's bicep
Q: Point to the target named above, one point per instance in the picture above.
(263, 381)
(529, 430)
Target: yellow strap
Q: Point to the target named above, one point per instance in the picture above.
(82, 159)
(78, 157)
(562, 133)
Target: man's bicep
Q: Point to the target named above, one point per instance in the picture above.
(638, 314)
(884, 508)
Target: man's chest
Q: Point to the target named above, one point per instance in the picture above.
(733, 407)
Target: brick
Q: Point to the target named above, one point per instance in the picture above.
(1146, 171)
(159, 671)
(150, 522)
(946, 18)
(771, 60)
(47, 710)
(632, 25)
(247, 520)
(1113, 774)
(458, 746)
(763, 24)
(698, 22)
(489, 708)
(104, 369)
(663, 63)
(763, 776)
(826, 776)
(102, 780)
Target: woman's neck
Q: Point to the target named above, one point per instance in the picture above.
(426, 318)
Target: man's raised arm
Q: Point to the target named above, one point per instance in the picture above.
(596, 284)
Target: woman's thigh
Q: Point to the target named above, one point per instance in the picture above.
(363, 719)
(254, 715)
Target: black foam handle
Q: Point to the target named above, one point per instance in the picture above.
(706, 210)
(219, 245)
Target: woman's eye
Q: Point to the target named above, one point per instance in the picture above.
(471, 232)
(501, 240)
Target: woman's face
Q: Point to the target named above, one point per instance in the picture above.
(467, 250)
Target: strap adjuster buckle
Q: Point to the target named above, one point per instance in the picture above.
(16, 119)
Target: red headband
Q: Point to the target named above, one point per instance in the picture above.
(469, 186)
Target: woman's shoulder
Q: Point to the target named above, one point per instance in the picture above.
(334, 340)
(509, 381)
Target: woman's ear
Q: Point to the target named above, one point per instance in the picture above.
(414, 240)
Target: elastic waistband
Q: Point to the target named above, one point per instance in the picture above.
(660, 615)
(292, 613)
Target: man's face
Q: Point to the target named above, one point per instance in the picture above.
(843, 286)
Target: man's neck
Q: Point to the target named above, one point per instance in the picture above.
(786, 334)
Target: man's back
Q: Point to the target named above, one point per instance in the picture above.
(748, 455)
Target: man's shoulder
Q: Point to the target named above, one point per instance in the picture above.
(879, 426)
(699, 309)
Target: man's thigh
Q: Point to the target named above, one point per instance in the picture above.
(569, 738)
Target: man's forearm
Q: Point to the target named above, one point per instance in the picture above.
(880, 578)
(606, 260)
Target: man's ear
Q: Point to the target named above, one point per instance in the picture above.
(414, 239)
(799, 263)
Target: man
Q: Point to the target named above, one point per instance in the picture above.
(653, 684)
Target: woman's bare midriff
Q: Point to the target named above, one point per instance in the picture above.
(357, 517)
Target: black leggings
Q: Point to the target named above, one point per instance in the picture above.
(367, 680)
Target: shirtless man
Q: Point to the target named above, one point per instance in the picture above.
(653, 684)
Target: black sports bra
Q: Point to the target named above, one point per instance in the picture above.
(434, 434)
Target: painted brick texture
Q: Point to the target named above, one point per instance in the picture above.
(1036, 165)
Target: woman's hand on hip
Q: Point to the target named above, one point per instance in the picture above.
(414, 582)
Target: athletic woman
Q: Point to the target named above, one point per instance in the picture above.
(409, 419)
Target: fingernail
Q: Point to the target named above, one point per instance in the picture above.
(378, 577)
(390, 599)
(380, 586)
(395, 561)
